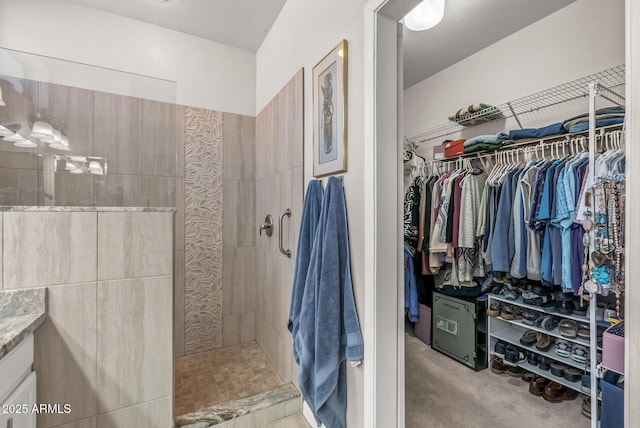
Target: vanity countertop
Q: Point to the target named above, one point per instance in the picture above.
(21, 312)
(16, 208)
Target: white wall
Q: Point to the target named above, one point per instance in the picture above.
(580, 39)
(302, 35)
(208, 74)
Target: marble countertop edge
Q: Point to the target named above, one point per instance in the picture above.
(10, 208)
(20, 328)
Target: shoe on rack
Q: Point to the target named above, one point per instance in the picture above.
(544, 342)
(529, 337)
(549, 322)
(544, 363)
(515, 371)
(494, 309)
(532, 358)
(499, 347)
(586, 407)
(556, 393)
(568, 329)
(497, 366)
(537, 385)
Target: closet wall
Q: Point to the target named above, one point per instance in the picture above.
(583, 38)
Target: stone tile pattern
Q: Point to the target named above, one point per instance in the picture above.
(250, 412)
(203, 230)
(98, 334)
(222, 375)
(239, 231)
(279, 185)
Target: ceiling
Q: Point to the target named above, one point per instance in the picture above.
(240, 23)
(468, 26)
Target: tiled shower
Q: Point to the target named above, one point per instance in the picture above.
(223, 172)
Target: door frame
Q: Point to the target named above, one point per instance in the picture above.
(383, 318)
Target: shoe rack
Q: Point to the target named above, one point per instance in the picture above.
(511, 330)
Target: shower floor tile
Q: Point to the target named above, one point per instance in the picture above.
(222, 375)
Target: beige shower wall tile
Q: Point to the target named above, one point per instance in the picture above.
(1, 249)
(179, 217)
(238, 219)
(20, 186)
(69, 255)
(91, 422)
(263, 207)
(239, 147)
(118, 190)
(70, 110)
(180, 140)
(118, 133)
(178, 287)
(156, 414)
(291, 123)
(73, 189)
(178, 340)
(159, 191)
(159, 148)
(134, 244)
(65, 353)
(239, 279)
(134, 342)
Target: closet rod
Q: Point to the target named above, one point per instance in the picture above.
(545, 142)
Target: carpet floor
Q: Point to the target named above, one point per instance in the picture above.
(442, 393)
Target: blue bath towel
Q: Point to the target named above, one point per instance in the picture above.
(329, 331)
(308, 226)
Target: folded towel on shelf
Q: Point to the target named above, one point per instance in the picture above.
(602, 113)
(583, 126)
(308, 226)
(489, 139)
(485, 147)
(554, 129)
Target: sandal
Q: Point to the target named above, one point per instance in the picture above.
(494, 309)
(508, 312)
(528, 376)
(579, 354)
(573, 374)
(529, 337)
(563, 348)
(549, 322)
(497, 366)
(568, 329)
(529, 317)
(584, 332)
(544, 342)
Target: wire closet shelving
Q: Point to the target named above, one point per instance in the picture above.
(613, 79)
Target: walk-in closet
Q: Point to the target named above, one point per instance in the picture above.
(513, 218)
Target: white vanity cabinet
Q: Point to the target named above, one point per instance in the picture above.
(18, 387)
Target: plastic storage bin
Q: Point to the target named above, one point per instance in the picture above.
(613, 351)
(423, 326)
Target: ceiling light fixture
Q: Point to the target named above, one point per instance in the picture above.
(41, 130)
(425, 15)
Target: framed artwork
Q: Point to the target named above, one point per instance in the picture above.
(330, 113)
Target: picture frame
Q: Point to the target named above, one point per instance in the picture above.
(330, 112)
